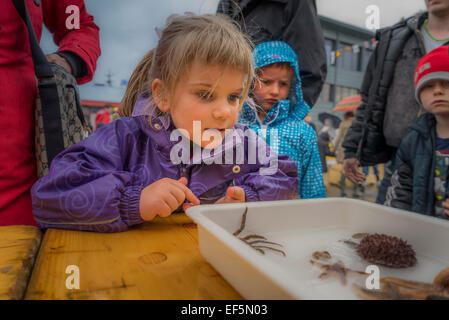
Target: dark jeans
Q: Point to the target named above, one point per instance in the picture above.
(376, 171)
(357, 186)
(386, 181)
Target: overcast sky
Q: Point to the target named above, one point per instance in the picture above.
(127, 28)
(353, 11)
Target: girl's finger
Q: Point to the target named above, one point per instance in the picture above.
(179, 194)
(164, 210)
(186, 206)
(183, 180)
(188, 193)
(172, 202)
(236, 193)
(221, 200)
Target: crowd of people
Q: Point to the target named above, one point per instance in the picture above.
(204, 69)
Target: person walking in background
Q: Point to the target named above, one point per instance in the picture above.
(292, 21)
(329, 129)
(348, 117)
(78, 52)
(324, 149)
(388, 104)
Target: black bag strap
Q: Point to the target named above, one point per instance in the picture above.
(48, 91)
(41, 65)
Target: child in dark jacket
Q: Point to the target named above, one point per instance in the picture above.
(420, 178)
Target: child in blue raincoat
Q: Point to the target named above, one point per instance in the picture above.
(277, 115)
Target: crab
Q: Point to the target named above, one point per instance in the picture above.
(255, 241)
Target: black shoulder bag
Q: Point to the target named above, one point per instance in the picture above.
(59, 117)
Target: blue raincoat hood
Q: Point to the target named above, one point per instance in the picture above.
(268, 53)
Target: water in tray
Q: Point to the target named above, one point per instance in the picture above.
(300, 245)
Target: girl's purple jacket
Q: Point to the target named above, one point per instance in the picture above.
(95, 185)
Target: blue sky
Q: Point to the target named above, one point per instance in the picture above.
(127, 30)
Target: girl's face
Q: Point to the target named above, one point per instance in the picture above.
(273, 85)
(210, 94)
(435, 97)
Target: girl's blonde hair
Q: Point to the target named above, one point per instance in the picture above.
(209, 39)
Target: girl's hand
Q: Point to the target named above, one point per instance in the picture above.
(446, 206)
(163, 197)
(233, 195)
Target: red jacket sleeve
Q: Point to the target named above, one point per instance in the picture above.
(85, 41)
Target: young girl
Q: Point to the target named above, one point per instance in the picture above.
(278, 115)
(128, 171)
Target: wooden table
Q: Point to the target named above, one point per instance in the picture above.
(18, 248)
(156, 260)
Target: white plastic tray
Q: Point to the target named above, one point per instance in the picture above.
(306, 226)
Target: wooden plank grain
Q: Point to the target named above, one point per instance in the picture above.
(18, 248)
(156, 260)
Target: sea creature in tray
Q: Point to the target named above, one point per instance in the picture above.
(321, 255)
(255, 241)
(383, 250)
(400, 289)
(388, 251)
(337, 269)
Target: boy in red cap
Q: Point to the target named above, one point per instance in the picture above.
(420, 182)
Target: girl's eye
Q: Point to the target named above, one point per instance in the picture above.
(265, 82)
(234, 98)
(204, 95)
(284, 84)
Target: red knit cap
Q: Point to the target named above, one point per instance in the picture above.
(434, 65)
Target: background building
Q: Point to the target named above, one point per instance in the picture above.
(348, 50)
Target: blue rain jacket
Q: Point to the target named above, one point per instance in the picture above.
(284, 128)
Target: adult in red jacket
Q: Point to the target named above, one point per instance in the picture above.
(78, 52)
